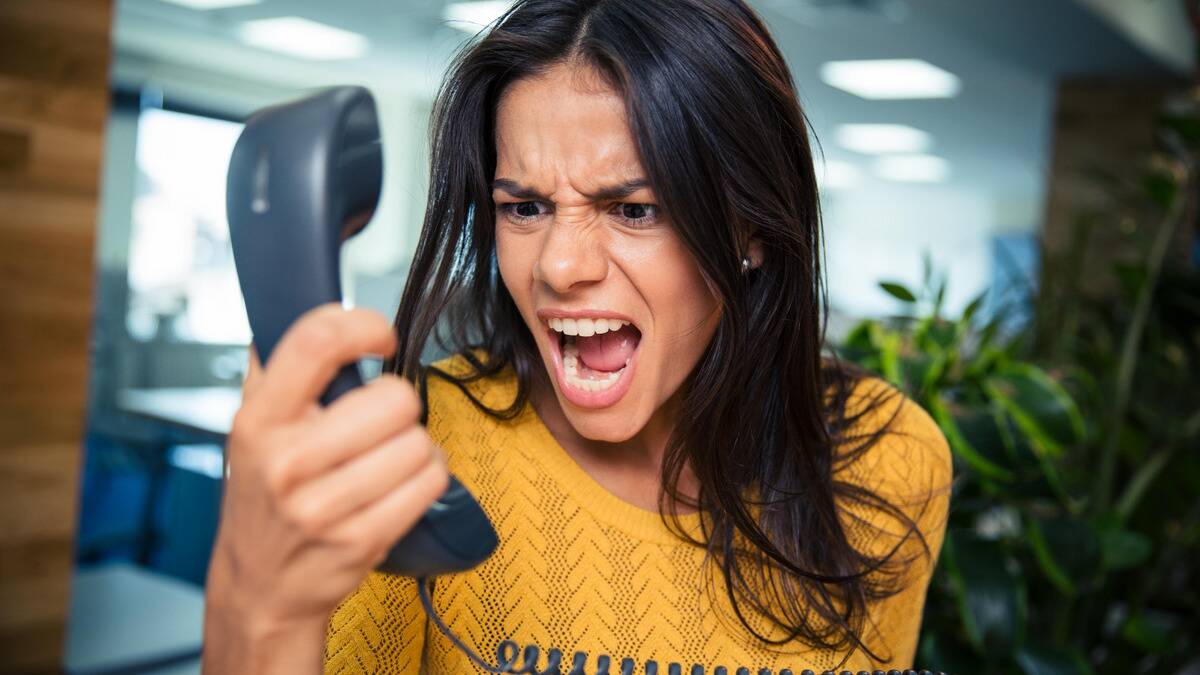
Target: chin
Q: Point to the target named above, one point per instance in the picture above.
(608, 426)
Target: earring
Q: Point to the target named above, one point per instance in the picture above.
(745, 264)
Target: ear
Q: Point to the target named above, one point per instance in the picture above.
(755, 253)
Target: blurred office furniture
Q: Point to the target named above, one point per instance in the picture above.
(54, 58)
(200, 410)
(129, 619)
(184, 474)
(153, 498)
(156, 506)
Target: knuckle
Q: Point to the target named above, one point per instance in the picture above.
(306, 517)
(402, 397)
(361, 548)
(316, 336)
(277, 477)
(416, 448)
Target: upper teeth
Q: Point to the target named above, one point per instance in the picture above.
(585, 327)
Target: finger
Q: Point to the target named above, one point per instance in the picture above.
(356, 422)
(366, 478)
(311, 352)
(391, 517)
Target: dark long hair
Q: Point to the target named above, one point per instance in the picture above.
(764, 422)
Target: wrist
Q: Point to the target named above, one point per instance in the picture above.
(243, 640)
(243, 635)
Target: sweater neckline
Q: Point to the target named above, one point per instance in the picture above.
(594, 497)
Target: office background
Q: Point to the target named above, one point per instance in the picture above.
(960, 173)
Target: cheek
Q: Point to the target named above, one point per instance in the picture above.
(515, 259)
(682, 297)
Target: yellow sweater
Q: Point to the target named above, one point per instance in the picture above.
(581, 570)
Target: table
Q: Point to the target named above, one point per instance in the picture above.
(125, 618)
(204, 410)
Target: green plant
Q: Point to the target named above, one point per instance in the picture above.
(1039, 572)
(1008, 423)
(1074, 530)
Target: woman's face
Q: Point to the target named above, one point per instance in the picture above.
(617, 304)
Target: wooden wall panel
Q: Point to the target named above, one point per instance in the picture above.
(1101, 128)
(54, 57)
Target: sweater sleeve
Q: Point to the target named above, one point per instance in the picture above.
(379, 628)
(909, 466)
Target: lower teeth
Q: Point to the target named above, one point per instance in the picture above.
(571, 370)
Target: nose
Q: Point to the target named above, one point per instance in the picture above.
(571, 256)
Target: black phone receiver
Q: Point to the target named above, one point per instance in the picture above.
(304, 177)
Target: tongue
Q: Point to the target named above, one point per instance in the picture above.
(608, 352)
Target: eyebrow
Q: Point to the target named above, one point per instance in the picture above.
(608, 193)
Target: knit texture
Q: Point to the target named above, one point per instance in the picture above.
(579, 569)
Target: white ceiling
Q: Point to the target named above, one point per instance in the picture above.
(1008, 54)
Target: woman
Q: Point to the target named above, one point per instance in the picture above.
(621, 248)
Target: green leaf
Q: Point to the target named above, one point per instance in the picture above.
(939, 653)
(973, 307)
(982, 431)
(889, 344)
(1123, 549)
(1142, 479)
(1037, 659)
(990, 598)
(1039, 405)
(1043, 413)
(1067, 550)
(1160, 188)
(1045, 558)
(921, 370)
(1131, 277)
(939, 297)
(1151, 631)
(943, 334)
(961, 447)
(1186, 126)
(898, 291)
(987, 336)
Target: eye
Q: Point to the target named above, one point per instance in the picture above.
(637, 215)
(521, 212)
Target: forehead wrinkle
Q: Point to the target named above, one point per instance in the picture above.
(549, 154)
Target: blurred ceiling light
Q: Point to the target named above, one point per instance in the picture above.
(303, 38)
(912, 168)
(837, 175)
(212, 4)
(472, 17)
(877, 139)
(891, 79)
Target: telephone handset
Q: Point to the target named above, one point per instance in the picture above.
(304, 177)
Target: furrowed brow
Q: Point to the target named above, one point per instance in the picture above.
(516, 190)
(608, 193)
(619, 191)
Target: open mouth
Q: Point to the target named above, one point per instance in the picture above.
(596, 357)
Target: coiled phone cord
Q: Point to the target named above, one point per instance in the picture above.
(507, 653)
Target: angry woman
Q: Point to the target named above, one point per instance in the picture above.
(621, 255)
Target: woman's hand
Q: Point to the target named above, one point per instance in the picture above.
(315, 497)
